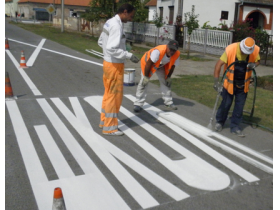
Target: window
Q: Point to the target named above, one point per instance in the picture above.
(224, 15)
(171, 15)
(161, 12)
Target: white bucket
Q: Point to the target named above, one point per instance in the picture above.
(129, 77)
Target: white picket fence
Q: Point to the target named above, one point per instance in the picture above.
(214, 38)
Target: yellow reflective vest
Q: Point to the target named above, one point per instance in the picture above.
(231, 56)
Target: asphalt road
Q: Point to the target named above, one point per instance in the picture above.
(166, 160)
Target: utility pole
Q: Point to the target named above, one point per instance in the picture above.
(62, 15)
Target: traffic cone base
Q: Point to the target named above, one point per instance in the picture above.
(7, 44)
(22, 61)
(58, 201)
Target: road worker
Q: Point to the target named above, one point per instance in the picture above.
(236, 82)
(112, 40)
(162, 61)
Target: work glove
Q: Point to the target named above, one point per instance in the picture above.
(168, 82)
(145, 81)
(134, 59)
(251, 66)
(217, 85)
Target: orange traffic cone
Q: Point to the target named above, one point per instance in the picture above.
(8, 87)
(6, 44)
(22, 61)
(58, 201)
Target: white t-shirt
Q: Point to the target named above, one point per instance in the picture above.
(155, 56)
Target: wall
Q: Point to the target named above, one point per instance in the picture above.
(151, 13)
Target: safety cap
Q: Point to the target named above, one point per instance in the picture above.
(247, 45)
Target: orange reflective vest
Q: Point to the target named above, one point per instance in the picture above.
(162, 50)
(231, 56)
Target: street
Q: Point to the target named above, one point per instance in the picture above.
(166, 159)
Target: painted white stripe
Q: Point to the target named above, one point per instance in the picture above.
(198, 173)
(58, 161)
(89, 61)
(103, 191)
(30, 158)
(31, 85)
(184, 174)
(214, 154)
(82, 125)
(71, 56)
(34, 55)
(199, 131)
(145, 172)
(24, 43)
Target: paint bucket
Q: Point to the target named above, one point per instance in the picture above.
(129, 77)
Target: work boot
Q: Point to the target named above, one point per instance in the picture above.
(137, 108)
(238, 132)
(171, 106)
(117, 133)
(218, 127)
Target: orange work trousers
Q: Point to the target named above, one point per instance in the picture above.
(113, 95)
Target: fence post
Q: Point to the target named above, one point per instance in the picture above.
(205, 41)
(184, 38)
(231, 36)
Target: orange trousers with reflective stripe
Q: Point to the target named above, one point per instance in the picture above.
(113, 95)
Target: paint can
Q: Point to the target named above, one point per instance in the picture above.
(129, 77)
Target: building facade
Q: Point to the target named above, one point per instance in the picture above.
(215, 12)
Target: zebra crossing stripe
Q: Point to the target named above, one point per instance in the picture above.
(58, 161)
(31, 160)
(96, 190)
(83, 127)
(214, 154)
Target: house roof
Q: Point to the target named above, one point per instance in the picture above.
(151, 3)
(66, 2)
(8, 1)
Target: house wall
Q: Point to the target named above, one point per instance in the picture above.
(151, 13)
(211, 11)
(11, 8)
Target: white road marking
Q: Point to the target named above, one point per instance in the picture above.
(58, 161)
(34, 55)
(31, 85)
(64, 54)
(103, 191)
(30, 158)
(190, 175)
(204, 133)
(82, 125)
(193, 170)
(214, 154)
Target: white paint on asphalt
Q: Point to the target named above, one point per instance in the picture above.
(83, 127)
(214, 154)
(36, 52)
(64, 54)
(58, 161)
(28, 81)
(204, 133)
(98, 186)
(30, 158)
(201, 177)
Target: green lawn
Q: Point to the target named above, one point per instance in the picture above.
(198, 88)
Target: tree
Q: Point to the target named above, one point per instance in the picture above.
(192, 23)
(158, 23)
(105, 9)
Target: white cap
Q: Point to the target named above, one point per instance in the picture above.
(247, 45)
